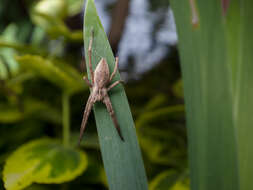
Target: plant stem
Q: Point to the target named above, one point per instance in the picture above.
(65, 118)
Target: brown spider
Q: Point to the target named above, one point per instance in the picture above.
(99, 80)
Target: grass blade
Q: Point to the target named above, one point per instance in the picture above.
(122, 160)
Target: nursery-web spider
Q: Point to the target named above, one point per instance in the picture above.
(100, 78)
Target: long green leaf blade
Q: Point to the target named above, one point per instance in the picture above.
(122, 160)
(208, 95)
(244, 94)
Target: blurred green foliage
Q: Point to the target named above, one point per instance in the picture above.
(41, 62)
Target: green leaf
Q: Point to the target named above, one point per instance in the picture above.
(22, 47)
(7, 54)
(217, 71)
(95, 172)
(38, 187)
(9, 43)
(178, 89)
(50, 15)
(90, 142)
(60, 74)
(208, 94)
(169, 180)
(164, 150)
(3, 70)
(241, 16)
(31, 108)
(159, 141)
(56, 27)
(19, 79)
(74, 6)
(42, 161)
(122, 160)
(56, 9)
(156, 102)
(181, 185)
(157, 114)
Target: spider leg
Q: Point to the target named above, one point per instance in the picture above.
(87, 81)
(89, 52)
(114, 84)
(86, 114)
(108, 104)
(115, 69)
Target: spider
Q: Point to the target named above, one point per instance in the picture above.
(100, 78)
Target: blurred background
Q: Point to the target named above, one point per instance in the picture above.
(40, 40)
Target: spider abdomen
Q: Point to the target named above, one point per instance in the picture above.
(101, 74)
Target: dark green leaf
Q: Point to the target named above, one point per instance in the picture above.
(208, 94)
(122, 160)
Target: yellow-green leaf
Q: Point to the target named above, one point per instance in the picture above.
(7, 54)
(42, 161)
(182, 185)
(55, 9)
(31, 108)
(60, 74)
(164, 180)
(178, 89)
(170, 180)
(3, 70)
(74, 7)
